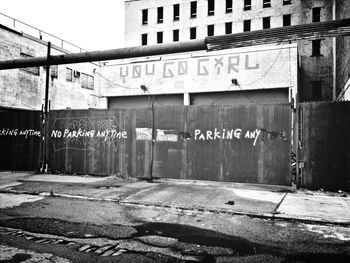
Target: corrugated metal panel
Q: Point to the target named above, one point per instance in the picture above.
(20, 140)
(326, 145)
(246, 143)
(259, 151)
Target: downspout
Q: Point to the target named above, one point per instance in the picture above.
(334, 16)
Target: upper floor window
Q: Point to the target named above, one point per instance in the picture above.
(228, 28)
(246, 25)
(160, 14)
(176, 35)
(176, 8)
(266, 22)
(210, 30)
(316, 14)
(287, 2)
(32, 70)
(193, 33)
(193, 9)
(266, 3)
(287, 20)
(316, 48)
(144, 39)
(247, 5)
(69, 74)
(211, 7)
(159, 37)
(87, 81)
(228, 6)
(144, 16)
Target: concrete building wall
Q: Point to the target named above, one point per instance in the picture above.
(343, 54)
(134, 28)
(257, 69)
(23, 88)
(316, 71)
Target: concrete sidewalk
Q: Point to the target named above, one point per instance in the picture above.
(262, 201)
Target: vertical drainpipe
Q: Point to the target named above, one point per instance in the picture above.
(334, 14)
(153, 142)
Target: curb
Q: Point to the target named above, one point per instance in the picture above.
(267, 216)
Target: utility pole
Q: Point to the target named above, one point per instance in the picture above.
(153, 141)
(46, 110)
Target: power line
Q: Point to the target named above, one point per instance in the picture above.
(114, 83)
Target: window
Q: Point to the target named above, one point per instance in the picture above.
(176, 9)
(175, 35)
(194, 9)
(87, 81)
(266, 22)
(32, 70)
(159, 37)
(266, 3)
(287, 20)
(316, 14)
(193, 33)
(144, 39)
(69, 74)
(247, 5)
(228, 28)
(211, 7)
(160, 14)
(246, 25)
(287, 2)
(316, 90)
(316, 48)
(228, 6)
(210, 30)
(144, 16)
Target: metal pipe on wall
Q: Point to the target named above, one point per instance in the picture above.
(122, 53)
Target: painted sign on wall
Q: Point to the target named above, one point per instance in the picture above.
(85, 133)
(252, 67)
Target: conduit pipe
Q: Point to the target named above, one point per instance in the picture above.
(129, 52)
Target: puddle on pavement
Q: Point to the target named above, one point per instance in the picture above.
(202, 237)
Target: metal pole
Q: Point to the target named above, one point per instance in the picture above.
(47, 78)
(297, 142)
(47, 86)
(153, 141)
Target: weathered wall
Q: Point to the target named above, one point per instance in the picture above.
(134, 27)
(20, 140)
(316, 68)
(326, 145)
(343, 54)
(255, 68)
(242, 143)
(21, 89)
(313, 68)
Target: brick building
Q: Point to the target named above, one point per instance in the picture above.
(73, 86)
(343, 55)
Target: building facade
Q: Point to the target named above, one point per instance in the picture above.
(151, 22)
(72, 86)
(343, 55)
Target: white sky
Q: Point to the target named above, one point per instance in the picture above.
(89, 24)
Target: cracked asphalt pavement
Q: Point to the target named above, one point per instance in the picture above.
(56, 229)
